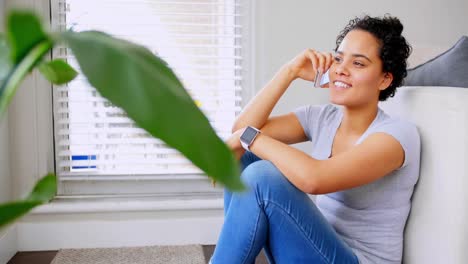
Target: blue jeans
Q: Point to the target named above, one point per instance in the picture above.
(273, 214)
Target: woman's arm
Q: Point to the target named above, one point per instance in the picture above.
(259, 108)
(303, 66)
(375, 157)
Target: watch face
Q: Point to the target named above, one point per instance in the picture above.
(248, 135)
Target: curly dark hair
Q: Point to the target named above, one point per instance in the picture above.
(394, 49)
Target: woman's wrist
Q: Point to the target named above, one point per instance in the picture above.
(288, 72)
(234, 140)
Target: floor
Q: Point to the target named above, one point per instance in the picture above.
(45, 257)
(37, 257)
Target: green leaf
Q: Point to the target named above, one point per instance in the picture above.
(57, 71)
(18, 73)
(24, 31)
(133, 78)
(14, 210)
(43, 192)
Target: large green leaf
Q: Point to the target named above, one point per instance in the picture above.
(57, 71)
(43, 192)
(24, 31)
(131, 77)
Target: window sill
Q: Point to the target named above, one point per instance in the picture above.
(71, 205)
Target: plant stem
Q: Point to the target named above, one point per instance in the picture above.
(20, 71)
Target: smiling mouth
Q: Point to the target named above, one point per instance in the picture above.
(342, 85)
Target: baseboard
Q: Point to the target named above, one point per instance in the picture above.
(119, 230)
(8, 244)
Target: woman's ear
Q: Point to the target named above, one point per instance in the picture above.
(387, 81)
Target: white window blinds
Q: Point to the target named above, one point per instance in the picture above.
(201, 41)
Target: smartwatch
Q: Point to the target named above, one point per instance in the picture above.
(248, 137)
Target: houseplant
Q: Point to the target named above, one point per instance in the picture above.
(126, 74)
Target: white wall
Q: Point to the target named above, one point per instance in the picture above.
(8, 245)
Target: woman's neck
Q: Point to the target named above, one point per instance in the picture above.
(356, 120)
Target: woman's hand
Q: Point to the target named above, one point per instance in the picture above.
(307, 63)
(235, 145)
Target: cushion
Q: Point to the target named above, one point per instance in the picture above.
(447, 69)
(423, 51)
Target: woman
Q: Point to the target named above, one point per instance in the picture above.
(363, 162)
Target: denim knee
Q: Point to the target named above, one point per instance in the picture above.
(263, 174)
(247, 159)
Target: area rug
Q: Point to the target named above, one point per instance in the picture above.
(189, 254)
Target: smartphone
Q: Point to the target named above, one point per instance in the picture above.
(321, 79)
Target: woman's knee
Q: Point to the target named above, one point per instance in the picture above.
(247, 159)
(262, 173)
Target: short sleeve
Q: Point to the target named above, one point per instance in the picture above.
(309, 117)
(407, 135)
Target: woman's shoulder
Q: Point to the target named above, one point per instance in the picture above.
(403, 131)
(389, 122)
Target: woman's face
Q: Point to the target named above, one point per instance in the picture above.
(356, 76)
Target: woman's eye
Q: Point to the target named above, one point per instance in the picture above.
(337, 59)
(357, 63)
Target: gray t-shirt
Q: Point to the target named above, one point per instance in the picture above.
(369, 218)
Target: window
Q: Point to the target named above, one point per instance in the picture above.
(98, 149)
